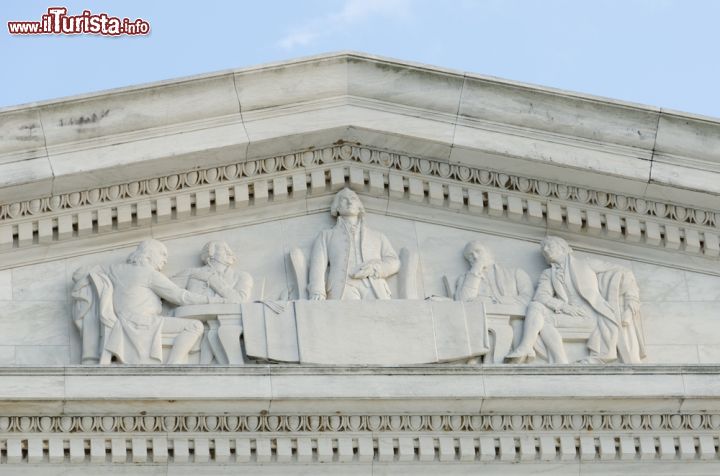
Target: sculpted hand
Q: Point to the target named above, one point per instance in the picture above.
(216, 300)
(108, 320)
(368, 269)
(633, 307)
(215, 282)
(627, 318)
(478, 268)
(573, 310)
(219, 285)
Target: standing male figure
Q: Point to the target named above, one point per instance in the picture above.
(350, 261)
(574, 287)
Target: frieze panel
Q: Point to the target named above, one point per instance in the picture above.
(119, 308)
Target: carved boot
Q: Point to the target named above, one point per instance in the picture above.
(520, 355)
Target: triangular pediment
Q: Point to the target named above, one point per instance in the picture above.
(440, 159)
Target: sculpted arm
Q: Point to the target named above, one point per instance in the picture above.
(171, 292)
(603, 266)
(631, 299)
(241, 292)
(318, 267)
(387, 265)
(244, 286)
(524, 286)
(545, 294)
(467, 287)
(390, 263)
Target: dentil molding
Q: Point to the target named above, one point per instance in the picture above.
(49, 222)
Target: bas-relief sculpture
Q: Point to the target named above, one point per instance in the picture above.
(503, 292)
(574, 288)
(217, 278)
(489, 282)
(351, 261)
(119, 312)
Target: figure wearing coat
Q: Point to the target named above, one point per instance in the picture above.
(234, 286)
(495, 284)
(121, 307)
(605, 291)
(336, 254)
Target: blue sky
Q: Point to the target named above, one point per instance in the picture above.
(657, 52)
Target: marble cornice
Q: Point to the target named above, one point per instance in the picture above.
(394, 184)
(567, 370)
(567, 389)
(285, 415)
(57, 146)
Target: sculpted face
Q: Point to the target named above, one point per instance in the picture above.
(158, 257)
(223, 254)
(478, 255)
(348, 205)
(554, 252)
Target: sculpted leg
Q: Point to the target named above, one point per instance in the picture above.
(190, 332)
(229, 334)
(534, 322)
(554, 344)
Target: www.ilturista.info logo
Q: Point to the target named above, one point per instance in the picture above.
(58, 22)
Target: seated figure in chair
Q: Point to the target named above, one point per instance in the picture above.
(489, 282)
(350, 261)
(217, 278)
(574, 288)
(127, 302)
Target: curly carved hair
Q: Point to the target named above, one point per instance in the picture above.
(346, 192)
(145, 252)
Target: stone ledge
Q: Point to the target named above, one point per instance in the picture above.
(303, 389)
(404, 419)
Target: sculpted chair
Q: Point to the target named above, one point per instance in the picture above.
(217, 279)
(503, 323)
(94, 317)
(509, 297)
(600, 300)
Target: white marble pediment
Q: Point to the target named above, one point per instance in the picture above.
(440, 160)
